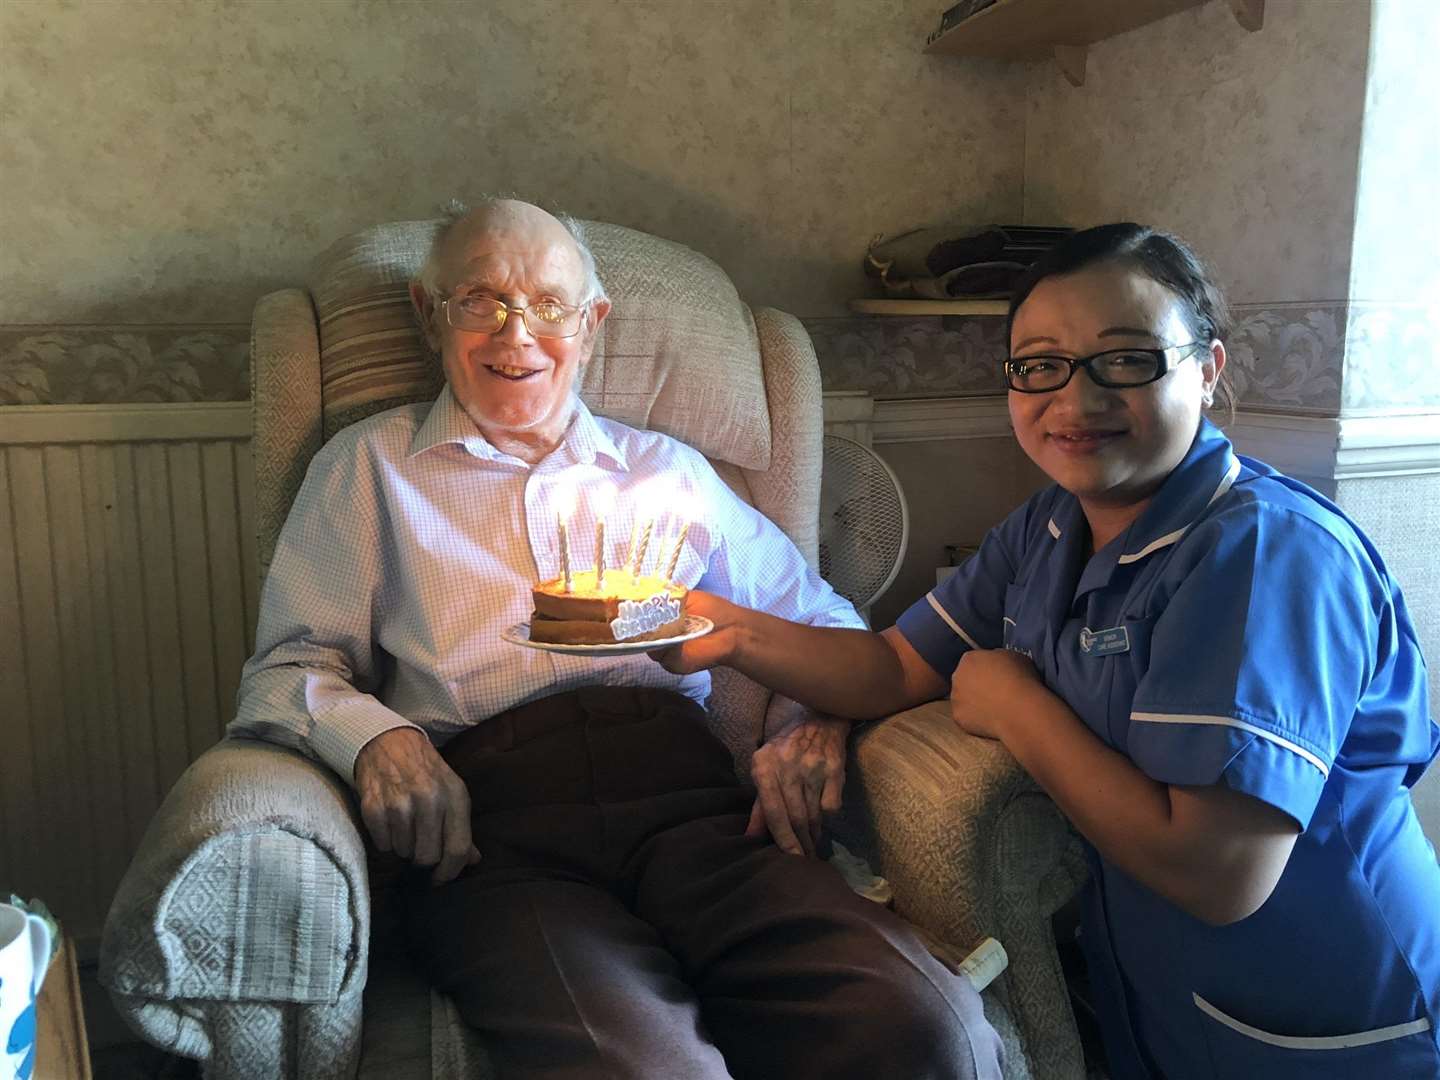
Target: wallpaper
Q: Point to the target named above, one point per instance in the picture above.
(1246, 144)
(169, 162)
(1392, 358)
(209, 150)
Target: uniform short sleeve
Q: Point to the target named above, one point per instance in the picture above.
(1265, 636)
(966, 610)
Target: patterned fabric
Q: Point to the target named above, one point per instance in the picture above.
(401, 511)
(793, 391)
(972, 850)
(249, 884)
(285, 403)
(678, 352)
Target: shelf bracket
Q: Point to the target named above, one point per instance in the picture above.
(1249, 13)
(1071, 59)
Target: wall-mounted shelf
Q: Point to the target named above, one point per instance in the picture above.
(868, 306)
(1064, 29)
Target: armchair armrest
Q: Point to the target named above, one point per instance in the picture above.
(972, 848)
(240, 932)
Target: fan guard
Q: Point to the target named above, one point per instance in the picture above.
(864, 521)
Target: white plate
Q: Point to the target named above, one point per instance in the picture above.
(695, 626)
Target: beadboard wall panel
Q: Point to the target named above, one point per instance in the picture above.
(128, 593)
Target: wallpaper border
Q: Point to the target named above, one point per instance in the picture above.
(1284, 358)
(52, 364)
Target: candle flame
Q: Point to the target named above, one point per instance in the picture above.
(602, 498)
(689, 507)
(565, 498)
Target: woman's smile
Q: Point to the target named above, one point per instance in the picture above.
(1083, 442)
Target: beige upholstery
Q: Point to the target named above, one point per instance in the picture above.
(249, 931)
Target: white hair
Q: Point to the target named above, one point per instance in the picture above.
(455, 211)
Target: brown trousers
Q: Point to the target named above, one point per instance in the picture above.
(621, 925)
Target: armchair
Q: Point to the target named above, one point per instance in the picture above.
(251, 931)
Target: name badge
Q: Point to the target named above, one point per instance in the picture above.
(1104, 642)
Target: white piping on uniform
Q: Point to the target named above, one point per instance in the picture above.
(1230, 721)
(1169, 538)
(950, 622)
(1327, 1042)
(1054, 529)
(1154, 545)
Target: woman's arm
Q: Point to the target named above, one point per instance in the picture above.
(1215, 853)
(855, 674)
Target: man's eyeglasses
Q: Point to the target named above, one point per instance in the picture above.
(1116, 369)
(486, 315)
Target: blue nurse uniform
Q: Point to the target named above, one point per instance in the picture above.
(1241, 632)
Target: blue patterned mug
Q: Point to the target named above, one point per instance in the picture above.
(24, 956)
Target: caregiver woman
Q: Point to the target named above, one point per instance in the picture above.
(1205, 664)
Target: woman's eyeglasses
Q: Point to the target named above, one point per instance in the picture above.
(1117, 369)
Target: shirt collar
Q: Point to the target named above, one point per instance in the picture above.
(1207, 472)
(585, 440)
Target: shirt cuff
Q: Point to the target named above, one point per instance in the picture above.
(342, 732)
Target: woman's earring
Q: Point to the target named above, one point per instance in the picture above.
(1208, 398)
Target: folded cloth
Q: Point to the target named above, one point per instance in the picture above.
(946, 261)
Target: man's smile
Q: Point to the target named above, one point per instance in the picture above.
(511, 374)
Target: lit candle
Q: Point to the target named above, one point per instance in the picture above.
(688, 508)
(564, 507)
(634, 546)
(675, 555)
(644, 544)
(603, 500)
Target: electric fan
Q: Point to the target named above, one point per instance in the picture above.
(864, 522)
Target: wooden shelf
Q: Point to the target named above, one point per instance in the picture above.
(868, 306)
(1063, 29)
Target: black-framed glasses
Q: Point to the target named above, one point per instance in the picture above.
(486, 315)
(1116, 369)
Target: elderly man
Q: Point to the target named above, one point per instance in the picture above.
(606, 900)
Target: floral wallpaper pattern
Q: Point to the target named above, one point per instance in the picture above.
(1284, 358)
(81, 365)
(1287, 358)
(1392, 357)
(901, 356)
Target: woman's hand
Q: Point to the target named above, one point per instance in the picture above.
(715, 649)
(989, 689)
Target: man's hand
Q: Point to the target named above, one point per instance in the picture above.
(799, 775)
(413, 803)
(989, 688)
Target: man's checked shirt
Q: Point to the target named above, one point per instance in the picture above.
(414, 543)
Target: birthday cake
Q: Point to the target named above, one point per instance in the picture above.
(625, 608)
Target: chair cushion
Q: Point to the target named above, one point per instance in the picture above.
(679, 352)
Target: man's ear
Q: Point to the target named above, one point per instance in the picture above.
(598, 310)
(594, 316)
(425, 314)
